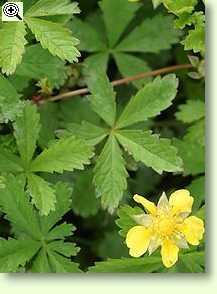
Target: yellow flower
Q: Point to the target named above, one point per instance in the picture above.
(166, 225)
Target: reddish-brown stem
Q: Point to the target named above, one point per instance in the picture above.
(121, 81)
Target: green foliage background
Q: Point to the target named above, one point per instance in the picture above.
(69, 169)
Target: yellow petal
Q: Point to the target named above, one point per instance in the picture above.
(193, 229)
(181, 201)
(137, 240)
(148, 205)
(169, 253)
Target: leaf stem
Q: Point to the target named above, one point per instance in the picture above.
(120, 82)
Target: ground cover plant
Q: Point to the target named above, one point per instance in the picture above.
(102, 137)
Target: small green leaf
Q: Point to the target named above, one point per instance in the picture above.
(52, 7)
(149, 101)
(60, 232)
(103, 96)
(193, 156)
(148, 38)
(90, 39)
(125, 220)
(111, 11)
(15, 203)
(12, 36)
(179, 7)
(146, 264)
(151, 150)
(66, 154)
(38, 63)
(63, 199)
(59, 264)
(197, 189)
(40, 263)
(26, 131)
(10, 104)
(54, 37)
(43, 195)
(14, 253)
(191, 111)
(130, 65)
(9, 162)
(92, 134)
(110, 175)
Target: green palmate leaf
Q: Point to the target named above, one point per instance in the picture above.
(191, 111)
(38, 63)
(197, 189)
(9, 162)
(111, 11)
(87, 131)
(126, 221)
(130, 65)
(193, 156)
(16, 205)
(12, 36)
(146, 264)
(66, 154)
(10, 104)
(60, 264)
(149, 101)
(110, 175)
(151, 150)
(14, 253)
(54, 37)
(148, 38)
(52, 7)
(83, 193)
(103, 96)
(63, 197)
(179, 7)
(26, 130)
(43, 195)
(90, 39)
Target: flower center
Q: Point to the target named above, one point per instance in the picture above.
(165, 225)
